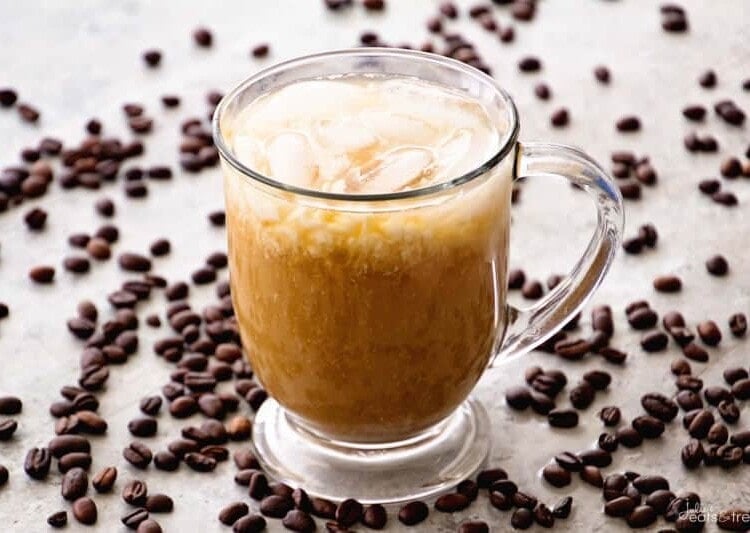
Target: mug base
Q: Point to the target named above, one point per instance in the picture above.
(421, 467)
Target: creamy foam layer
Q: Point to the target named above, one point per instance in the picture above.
(363, 134)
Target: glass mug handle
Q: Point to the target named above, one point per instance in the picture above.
(529, 327)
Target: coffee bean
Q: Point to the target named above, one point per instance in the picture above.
(582, 395)
(614, 486)
(727, 199)
(522, 519)
(595, 457)
(28, 113)
(203, 38)
(373, 517)
(709, 332)
(134, 262)
(648, 426)
(562, 418)
(135, 493)
(150, 405)
(65, 444)
(688, 382)
(619, 507)
(729, 411)
(667, 284)
(572, 349)
(233, 512)
(74, 460)
(142, 427)
(715, 395)
(643, 318)
(159, 503)
(133, 519)
(183, 407)
(560, 117)
(563, 507)
(592, 475)
(200, 462)
(448, 503)
(701, 424)
(628, 123)
(655, 341)
(613, 356)
(8, 97)
(74, 484)
(58, 519)
(475, 526)
(532, 290)
(542, 91)
(138, 455)
(741, 389)
(695, 353)
(738, 324)
(518, 397)
(10, 405)
(610, 416)
(249, 524)
(485, 478)
(641, 516)
(689, 400)
(556, 475)
(104, 480)
(413, 513)
(733, 519)
(718, 434)
(529, 64)
(695, 113)
(42, 274)
(608, 442)
(741, 438)
(649, 484)
(166, 461)
(659, 406)
(692, 454)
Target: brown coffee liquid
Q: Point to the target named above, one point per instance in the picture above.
(369, 326)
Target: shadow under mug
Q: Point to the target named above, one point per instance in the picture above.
(370, 318)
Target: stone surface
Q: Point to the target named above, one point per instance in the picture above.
(83, 59)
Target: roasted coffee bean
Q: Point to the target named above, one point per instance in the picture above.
(58, 519)
(468, 488)
(516, 279)
(659, 406)
(373, 517)
(655, 341)
(715, 395)
(582, 395)
(500, 501)
(667, 283)
(560, 117)
(65, 444)
(159, 503)
(7, 428)
(619, 507)
(648, 426)
(166, 460)
(204, 38)
(592, 475)
(35, 219)
(694, 352)
(563, 507)
(134, 262)
(595, 457)
(532, 290)
(741, 389)
(718, 434)
(149, 526)
(572, 349)
(610, 416)
(233, 512)
(733, 519)
(695, 113)
(641, 516)
(200, 462)
(556, 475)
(614, 486)
(689, 400)
(143, 427)
(28, 113)
(42, 274)
(297, 520)
(413, 513)
(504, 486)
(569, 461)
(522, 519)
(249, 524)
(629, 437)
(135, 492)
(450, 503)
(258, 487)
(717, 265)
(74, 460)
(741, 438)
(725, 198)
(105, 479)
(688, 382)
(642, 318)
(649, 484)
(150, 405)
(598, 379)
(183, 407)
(729, 411)
(478, 526)
(485, 478)
(562, 418)
(709, 332)
(133, 518)
(692, 454)
(529, 64)
(74, 484)
(84, 510)
(138, 455)
(628, 123)
(608, 442)
(729, 455)
(738, 324)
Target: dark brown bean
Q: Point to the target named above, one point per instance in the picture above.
(648, 426)
(659, 406)
(84, 510)
(138, 455)
(709, 332)
(413, 513)
(654, 341)
(610, 416)
(556, 475)
(738, 324)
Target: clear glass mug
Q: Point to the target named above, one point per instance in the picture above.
(370, 318)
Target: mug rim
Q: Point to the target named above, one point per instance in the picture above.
(508, 140)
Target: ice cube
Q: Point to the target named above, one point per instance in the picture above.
(398, 128)
(343, 135)
(291, 159)
(397, 170)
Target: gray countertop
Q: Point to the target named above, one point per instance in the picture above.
(76, 60)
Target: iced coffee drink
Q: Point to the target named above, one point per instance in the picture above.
(368, 321)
